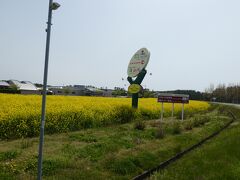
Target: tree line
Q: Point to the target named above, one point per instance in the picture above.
(223, 93)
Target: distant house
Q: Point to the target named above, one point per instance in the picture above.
(4, 85)
(93, 91)
(76, 90)
(107, 92)
(25, 87)
(57, 90)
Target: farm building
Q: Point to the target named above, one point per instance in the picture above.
(25, 87)
(107, 92)
(4, 85)
(68, 90)
(77, 90)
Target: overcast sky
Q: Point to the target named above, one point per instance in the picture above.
(192, 42)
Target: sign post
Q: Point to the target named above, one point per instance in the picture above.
(162, 112)
(172, 110)
(136, 69)
(182, 110)
(173, 98)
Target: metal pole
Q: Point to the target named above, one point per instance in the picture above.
(135, 100)
(41, 140)
(237, 93)
(162, 112)
(182, 110)
(172, 109)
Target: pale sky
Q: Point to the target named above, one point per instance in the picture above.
(192, 42)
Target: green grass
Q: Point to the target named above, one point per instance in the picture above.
(8, 155)
(113, 152)
(219, 158)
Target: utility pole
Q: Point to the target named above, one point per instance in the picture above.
(52, 6)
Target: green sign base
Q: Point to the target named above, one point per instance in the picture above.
(138, 81)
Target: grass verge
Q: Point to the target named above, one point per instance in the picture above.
(115, 152)
(219, 158)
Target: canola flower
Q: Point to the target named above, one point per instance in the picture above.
(20, 114)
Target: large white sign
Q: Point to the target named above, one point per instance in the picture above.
(138, 62)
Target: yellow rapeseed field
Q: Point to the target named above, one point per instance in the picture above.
(20, 114)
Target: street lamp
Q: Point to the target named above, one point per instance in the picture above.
(55, 6)
(52, 6)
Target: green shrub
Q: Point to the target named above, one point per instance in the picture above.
(124, 114)
(10, 91)
(175, 128)
(200, 120)
(148, 114)
(188, 125)
(156, 123)
(140, 125)
(159, 133)
(8, 155)
(87, 123)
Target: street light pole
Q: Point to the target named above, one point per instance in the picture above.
(52, 6)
